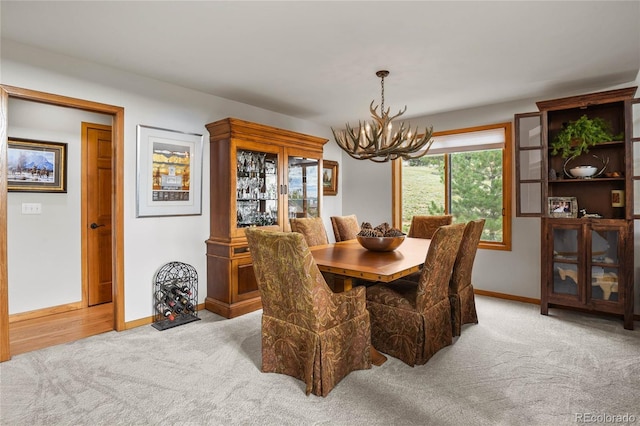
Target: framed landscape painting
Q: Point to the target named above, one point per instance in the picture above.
(329, 177)
(36, 166)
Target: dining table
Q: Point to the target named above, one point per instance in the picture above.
(348, 261)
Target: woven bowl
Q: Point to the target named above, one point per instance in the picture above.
(380, 243)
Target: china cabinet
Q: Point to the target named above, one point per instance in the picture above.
(586, 202)
(260, 176)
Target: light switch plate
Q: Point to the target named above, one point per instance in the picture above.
(31, 208)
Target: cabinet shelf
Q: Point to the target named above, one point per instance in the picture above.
(598, 146)
(585, 181)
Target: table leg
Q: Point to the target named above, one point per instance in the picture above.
(376, 357)
(342, 284)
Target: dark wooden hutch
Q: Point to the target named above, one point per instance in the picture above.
(587, 259)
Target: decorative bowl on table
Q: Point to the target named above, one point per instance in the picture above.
(381, 238)
(380, 243)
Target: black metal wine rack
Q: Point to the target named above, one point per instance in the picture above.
(175, 296)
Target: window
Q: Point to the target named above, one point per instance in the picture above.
(467, 173)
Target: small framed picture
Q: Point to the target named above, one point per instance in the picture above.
(329, 177)
(36, 166)
(617, 198)
(562, 207)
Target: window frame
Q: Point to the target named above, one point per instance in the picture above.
(507, 176)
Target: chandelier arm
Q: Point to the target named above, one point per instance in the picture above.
(400, 112)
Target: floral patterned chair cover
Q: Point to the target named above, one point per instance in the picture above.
(308, 332)
(312, 228)
(345, 227)
(463, 303)
(412, 321)
(425, 226)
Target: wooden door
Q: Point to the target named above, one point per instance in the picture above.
(98, 212)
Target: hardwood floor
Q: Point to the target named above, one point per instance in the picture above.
(37, 333)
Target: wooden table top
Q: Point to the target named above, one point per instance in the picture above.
(350, 259)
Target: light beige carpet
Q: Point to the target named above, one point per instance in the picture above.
(516, 367)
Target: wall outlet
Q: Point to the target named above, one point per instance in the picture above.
(31, 208)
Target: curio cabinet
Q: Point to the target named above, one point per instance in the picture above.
(260, 176)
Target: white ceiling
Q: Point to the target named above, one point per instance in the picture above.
(317, 60)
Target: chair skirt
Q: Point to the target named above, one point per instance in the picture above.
(463, 309)
(319, 360)
(397, 329)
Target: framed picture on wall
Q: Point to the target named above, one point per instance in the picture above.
(562, 207)
(329, 177)
(36, 166)
(169, 172)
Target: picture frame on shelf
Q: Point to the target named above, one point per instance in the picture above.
(169, 172)
(329, 177)
(36, 166)
(562, 207)
(617, 198)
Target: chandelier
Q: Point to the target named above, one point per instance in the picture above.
(378, 141)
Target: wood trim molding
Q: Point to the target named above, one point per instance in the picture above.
(117, 113)
(5, 354)
(587, 99)
(53, 310)
(636, 317)
(506, 296)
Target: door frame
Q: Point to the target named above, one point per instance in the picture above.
(117, 114)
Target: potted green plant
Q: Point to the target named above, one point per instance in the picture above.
(580, 135)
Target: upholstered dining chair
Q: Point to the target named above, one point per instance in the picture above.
(345, 227)
(425, 226)
(308, 332)
(312, 228)
(412, 321)
(461, 297)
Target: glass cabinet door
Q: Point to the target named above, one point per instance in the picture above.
(605, 265)
(633, 135)
(256, 188)
(530, 173)
(566, 260)
(303, 189)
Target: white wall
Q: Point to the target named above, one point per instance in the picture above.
(364, 188)
(515, 272)
(149, 243)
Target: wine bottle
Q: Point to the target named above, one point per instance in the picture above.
(190, 307)
(172, 289)
(175, 305)
(165, 311)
